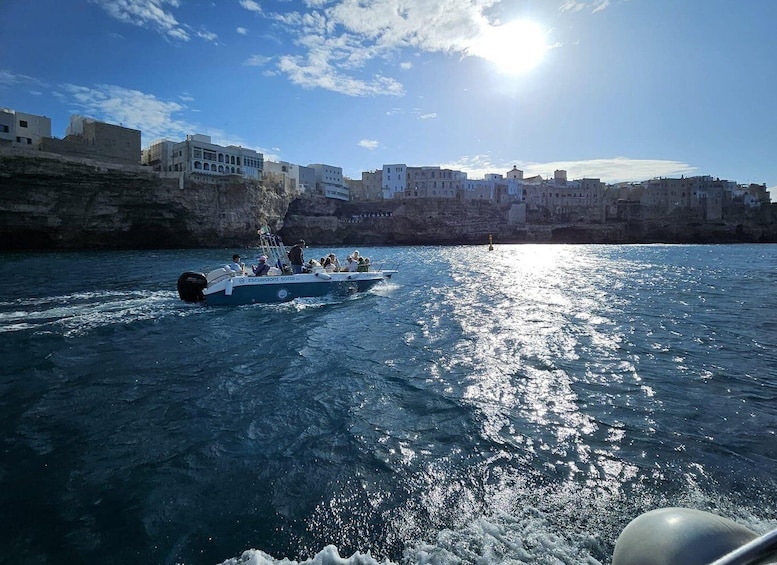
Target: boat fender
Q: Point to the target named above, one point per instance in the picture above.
(228, 288)
(669, 536)
(324, 276)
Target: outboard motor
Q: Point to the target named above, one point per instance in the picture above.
(191, 285)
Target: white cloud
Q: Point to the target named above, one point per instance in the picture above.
(131, 108)
(572, 6)
(242, 31)
(610, 170)
(251, 6)
(579, 5)
(207, 35)
(339, 38)
(406, 66)
(369, 143)
(154, 14)
(429, 116)
(9, 78)
(317, 72)
(257, 61)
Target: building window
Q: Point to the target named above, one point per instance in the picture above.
(4, 129)
(197, 165)
(22, 123)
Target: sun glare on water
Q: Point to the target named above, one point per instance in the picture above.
(515, 47)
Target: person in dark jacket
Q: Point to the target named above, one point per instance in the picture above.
(296, 257)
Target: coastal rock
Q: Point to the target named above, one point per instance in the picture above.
(49, 201)
(53, 202)
(322, 221)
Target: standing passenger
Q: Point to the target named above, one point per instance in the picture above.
(296, 257)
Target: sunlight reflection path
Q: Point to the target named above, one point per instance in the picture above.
(541, 350)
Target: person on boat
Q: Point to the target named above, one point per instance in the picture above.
(361, 266)
(353, 264)
(236, 266)
(262, 268)
(296, 257)
(335, 262)
(329, 266)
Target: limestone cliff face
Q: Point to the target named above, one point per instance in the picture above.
(404, 222)
(52, 202)
(321, 221)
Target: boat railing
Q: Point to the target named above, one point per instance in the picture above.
(384, 265)
(272, 246)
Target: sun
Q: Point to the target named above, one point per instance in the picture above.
(515, 47)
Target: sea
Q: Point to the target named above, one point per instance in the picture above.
(520, 405)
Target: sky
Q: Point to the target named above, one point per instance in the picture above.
(621, 90)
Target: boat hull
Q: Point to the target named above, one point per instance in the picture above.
(240, 290)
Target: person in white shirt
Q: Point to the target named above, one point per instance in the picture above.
(236, 266)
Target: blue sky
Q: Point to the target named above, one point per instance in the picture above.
(617, 89)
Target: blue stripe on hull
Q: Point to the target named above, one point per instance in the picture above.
(274, 293)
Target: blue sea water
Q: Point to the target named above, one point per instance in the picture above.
(514, 406)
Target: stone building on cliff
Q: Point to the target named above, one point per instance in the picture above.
(295, 179)
(84, 137)
(92, 139)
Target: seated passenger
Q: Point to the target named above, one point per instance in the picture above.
(310, 266)
(329, 266)
(236, 265)
(361, 266)
(262, 268)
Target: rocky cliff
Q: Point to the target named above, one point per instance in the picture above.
(321, 221)
(53, 202)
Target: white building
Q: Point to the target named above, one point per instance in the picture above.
(197, 154)
(494, 187)
(394, 180)
(329, 181)
(21, 129)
